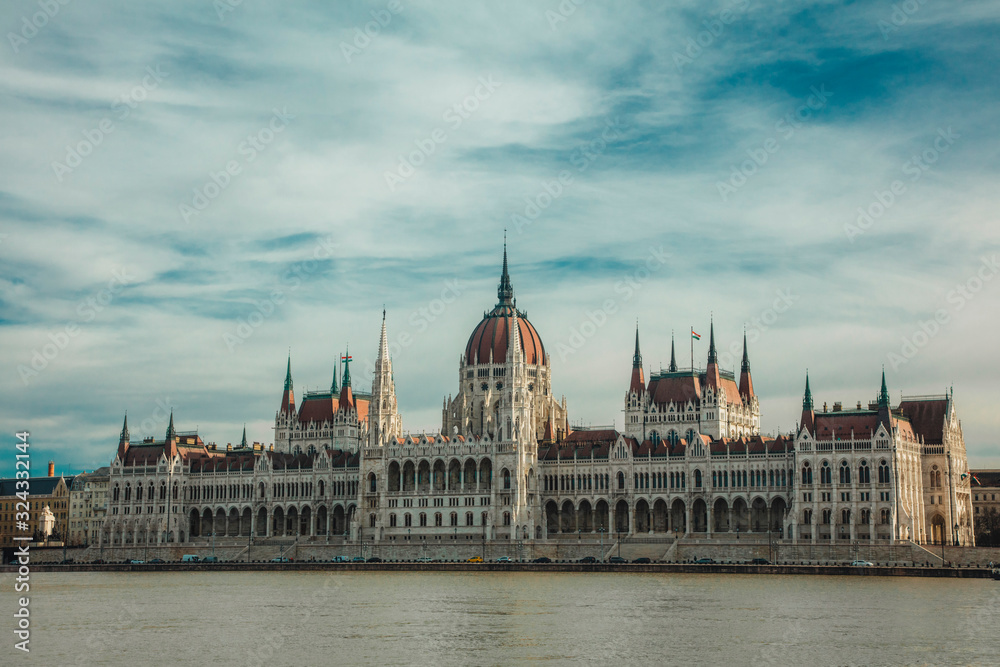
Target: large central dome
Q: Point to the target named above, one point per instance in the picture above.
(493, 333)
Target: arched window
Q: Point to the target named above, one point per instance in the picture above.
(437, 519)
(845, 516)
(423, 520)
(864, 474)
(322, 490)
(827, 515)
(866, 516)
(845, 473)
(128, 492)
(825, 474)
(654, 437)
(371, 520)
(454, 518)
(392, 520)
(506, 479)
(506, 518)
(372, 484)
(468, 519)
(407, 520)
(621, 480)
(807, 516)
(886, 516)
(673, 438)
(697, 479)
(883, 472)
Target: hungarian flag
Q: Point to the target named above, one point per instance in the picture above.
(696, 336)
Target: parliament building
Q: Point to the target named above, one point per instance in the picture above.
(691, 461)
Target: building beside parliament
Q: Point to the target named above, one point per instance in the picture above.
(507, 465)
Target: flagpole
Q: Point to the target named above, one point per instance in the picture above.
(692, 347)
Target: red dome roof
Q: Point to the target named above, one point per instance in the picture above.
(493, 334)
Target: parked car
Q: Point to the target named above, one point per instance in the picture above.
(587, 559)
(358, 559)
(136, 561)
(339, 559)
(542, 559)
(642, 561)
(425, 559)
(475, 559)
(503, 559)
(99, 561)
(190, 558)
(279, 559)
(374, 559)
(157, 560)
(705, 561)
(209, 559)
(760, 561)
(862, 563)
(617, 560)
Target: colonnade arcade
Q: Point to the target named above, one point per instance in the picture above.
(666, 516)
(291, 520)
(423, 476)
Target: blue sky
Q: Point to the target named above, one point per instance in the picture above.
(189, 192)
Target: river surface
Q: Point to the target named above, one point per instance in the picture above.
(461, 618)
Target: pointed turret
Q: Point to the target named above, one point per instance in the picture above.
(123, 439)
(383, 418)
(808, 420)
(515, 354)
(712, 372)
(746, 381)
(638, 382)
(288, 397)
(673, 355)
(505, 292)
(884, 407)
(713, 355)
(346, 395)
(170, 442)
(243, 442)
(333, 387)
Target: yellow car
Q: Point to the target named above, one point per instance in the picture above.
(475, 559)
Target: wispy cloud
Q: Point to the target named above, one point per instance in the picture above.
(684, 127)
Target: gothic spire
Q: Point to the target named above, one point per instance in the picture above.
(347, 368)
(171, 433)
(505, 292)
(673, 355)
(383, 343)
(288, 374)
(243, 443)
(746, 357)
(746, 382)
(637, 357)
(807, 400)
(333, 387)
(124, 434)
(883, 395)
(713, 356)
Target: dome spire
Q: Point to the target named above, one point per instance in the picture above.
(505, 292)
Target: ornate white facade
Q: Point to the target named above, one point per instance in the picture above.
(507, 466)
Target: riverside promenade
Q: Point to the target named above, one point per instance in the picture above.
(622, 568)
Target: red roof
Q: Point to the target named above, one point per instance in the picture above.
(492, 335)
(687, 387)
(927, 417)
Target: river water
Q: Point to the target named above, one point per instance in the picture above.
(462, 618)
